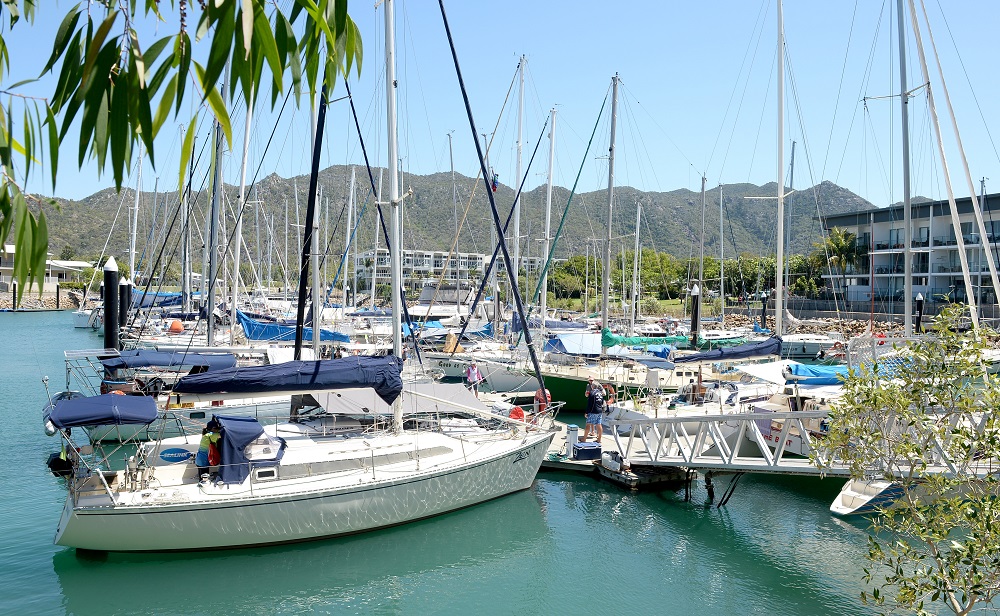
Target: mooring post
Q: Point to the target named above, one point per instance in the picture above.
(57, 295)
(111, 304)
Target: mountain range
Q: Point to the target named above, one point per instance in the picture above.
(671, 221)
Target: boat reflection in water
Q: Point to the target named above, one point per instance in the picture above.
(343, 573)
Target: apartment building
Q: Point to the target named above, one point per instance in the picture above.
(936, 271)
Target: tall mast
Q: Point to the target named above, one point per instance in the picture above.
(239, 224)
(722, 259)
(134, 221)
(779, 309)
(701, 257)
(213, 235)
(788, 223)
(395, 218)
(347, 237)
(904, 99)
(546, 243)
(186, 241)
(516, 253)
(635, 269)
(606, 282)
(285, 294)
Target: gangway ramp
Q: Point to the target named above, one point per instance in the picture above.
(733, 442)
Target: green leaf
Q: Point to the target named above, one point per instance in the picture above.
(69, 76)
(182, 56)
(139, 105)
(154, 51)
(63, 34)
(265, 41)
(40, 246)
(120, 129)
(187, 150)
(27, 143)
(95, 44)
(222, 42)
(6, 213)
(163, 109)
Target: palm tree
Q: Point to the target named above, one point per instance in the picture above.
(841, 247)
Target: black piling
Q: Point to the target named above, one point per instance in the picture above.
(124, 297)
(919, 328)
(111, 304)
(58, 293)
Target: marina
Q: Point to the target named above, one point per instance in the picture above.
(536, 404)
(773, 549)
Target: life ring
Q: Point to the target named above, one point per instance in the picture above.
(881, 335)
(542, 399)
(517, 413)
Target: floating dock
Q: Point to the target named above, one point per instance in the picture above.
(608, 466)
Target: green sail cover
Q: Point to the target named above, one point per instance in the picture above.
(609, 340)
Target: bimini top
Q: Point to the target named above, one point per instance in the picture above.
(165, 359)
(379, 373)
(771, 346)
(106, 409)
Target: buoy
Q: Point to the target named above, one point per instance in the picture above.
(176, 327)
(517, 413)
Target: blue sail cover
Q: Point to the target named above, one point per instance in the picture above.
(379, 373)
(771, 346)
(816, 375)
(272, 332)
(142, 299)
(237, 433)
(165, 359)
(106, 409)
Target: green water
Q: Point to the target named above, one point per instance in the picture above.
(570, 545)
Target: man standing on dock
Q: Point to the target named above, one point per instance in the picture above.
(595, 408)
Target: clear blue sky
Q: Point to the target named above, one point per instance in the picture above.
(698, 95)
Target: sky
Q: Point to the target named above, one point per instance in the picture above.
(698, 95)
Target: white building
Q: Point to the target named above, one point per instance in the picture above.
(936, 266)
(423, 265)
(56, 270)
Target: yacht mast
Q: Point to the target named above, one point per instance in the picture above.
(546, 243)
(134, 222)
(395, 222)
(348, 230)
(722, 260)
(635, 269)
(904, 98)
(516, 253)
(239, 225)
(779, 308)
(186, 241)
(606, 282)
(213, 235)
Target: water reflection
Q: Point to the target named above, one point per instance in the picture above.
(347, 572)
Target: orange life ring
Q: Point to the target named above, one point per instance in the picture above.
(517, 413)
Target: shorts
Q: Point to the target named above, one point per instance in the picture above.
(593, 419)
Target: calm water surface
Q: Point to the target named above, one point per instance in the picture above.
(569, 545)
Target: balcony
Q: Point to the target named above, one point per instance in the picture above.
(944, 240)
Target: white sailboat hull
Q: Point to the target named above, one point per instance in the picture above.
(260, 513)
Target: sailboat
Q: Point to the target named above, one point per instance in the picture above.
(358, 451)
